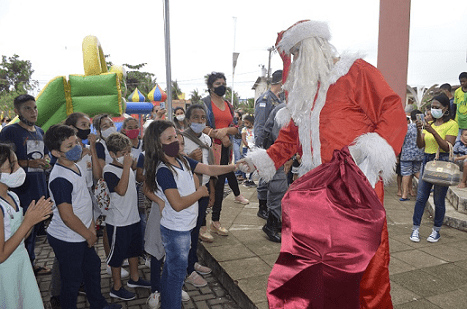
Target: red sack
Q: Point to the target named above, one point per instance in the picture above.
(331, 228)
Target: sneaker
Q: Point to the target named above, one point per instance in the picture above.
(241, 200)
(203, 270)
(219, 230)
(434, 236)
(196, 280)
(123, 272)
(415, 237)
(139, 284)
(125, 263)
(122, 294)
(154, 300)
(251, 184)
(185, 296)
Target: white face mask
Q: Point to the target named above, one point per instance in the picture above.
(106, 133)
(120, 159)
(180, 117)
(13, 180)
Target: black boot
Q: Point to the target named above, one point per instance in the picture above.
(272, 229)
(263, 209)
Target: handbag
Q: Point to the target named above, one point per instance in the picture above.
(442, 173)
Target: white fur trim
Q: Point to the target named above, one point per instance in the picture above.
(283, 117)
(376, 155)
(343, 66)
(263, 163)
(301, 31)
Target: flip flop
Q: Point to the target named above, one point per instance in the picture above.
(404, 199)
(39, 271)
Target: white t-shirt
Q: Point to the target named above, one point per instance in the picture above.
(85, 165)
(185, 219)
(135, 151)
(67, 186)
(190, 146)
(123, 210)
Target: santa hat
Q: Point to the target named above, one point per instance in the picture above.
(301, 31)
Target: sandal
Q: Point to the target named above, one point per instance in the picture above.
(39, 271)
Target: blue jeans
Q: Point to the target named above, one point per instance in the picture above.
(237, 154)
(177, 245)
(423, 193)
(77, 262)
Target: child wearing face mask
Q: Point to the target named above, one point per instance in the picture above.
(180, 119)
(170, 176)
(130, 128)
(123, 222)
(104, 126)
(71, 232)
(18, 287)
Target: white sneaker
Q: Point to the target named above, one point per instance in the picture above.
(185, 296)
(415, 236)
(434, 236)
(123, 272)
(154, 300)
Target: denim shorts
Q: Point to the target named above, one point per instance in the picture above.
(409, 168)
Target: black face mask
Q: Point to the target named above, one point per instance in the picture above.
(220, 91)
(83, 134)
(25, 121)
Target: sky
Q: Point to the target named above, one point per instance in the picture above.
(205, 33)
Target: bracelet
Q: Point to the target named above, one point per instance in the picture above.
(209, 133)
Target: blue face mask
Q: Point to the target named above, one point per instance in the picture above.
(197, 127)
(74, 154)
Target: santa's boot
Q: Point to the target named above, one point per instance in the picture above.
(272, 228)
(263, 209)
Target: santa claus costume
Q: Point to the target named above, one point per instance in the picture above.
(342, 239)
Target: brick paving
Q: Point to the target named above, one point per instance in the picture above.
(213, 296)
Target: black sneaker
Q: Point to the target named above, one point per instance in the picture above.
(122, 294)
(139, 284)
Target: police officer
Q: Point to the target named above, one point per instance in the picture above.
(263, 107)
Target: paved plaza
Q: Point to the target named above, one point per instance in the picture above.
(423, 275)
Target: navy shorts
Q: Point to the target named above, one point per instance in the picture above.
(125, 242)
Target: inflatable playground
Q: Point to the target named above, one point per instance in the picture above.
(99, 90)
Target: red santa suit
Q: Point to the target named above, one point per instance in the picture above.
(357, 101)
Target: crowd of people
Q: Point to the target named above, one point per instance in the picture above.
(150, 187)
(160, 180)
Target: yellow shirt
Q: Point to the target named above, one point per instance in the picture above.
(447, 128)
(461, 101)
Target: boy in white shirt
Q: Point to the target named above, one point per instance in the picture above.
(123, 221)
(71, 232)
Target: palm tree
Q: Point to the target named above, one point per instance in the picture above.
(421, 95)
(195, 97)
(176, 91)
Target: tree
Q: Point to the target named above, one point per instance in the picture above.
(15, 79)
(176, 91)
(144, 81)
(228, 97)
(195, 97)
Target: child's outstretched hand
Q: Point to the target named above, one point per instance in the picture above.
(38, 212)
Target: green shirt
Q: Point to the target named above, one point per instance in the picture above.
(460, 98)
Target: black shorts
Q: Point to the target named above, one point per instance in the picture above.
(125, 242)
